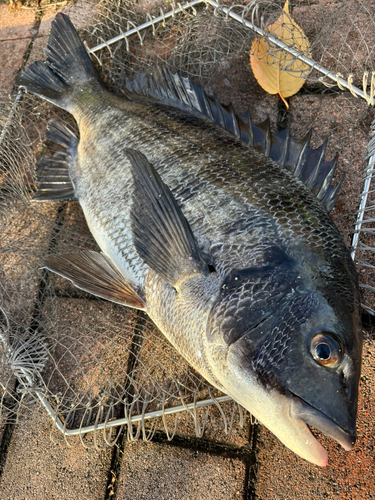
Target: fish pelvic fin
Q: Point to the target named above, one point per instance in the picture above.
(95, 273)
(52, 172)
(173, 90)
(67, 66)
(162, 235)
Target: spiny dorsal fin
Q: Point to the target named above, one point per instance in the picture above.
(95, 273)
(176, 91)
(162, 235)
(52, 172)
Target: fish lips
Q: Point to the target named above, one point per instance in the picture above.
(301, 410)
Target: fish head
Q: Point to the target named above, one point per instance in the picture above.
(291, 344)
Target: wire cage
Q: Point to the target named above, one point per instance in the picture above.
(97, 367)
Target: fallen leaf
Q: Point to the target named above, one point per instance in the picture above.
(276, 71)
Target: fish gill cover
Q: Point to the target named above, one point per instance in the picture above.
(91, 360)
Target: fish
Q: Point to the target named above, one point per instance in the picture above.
(215, 227)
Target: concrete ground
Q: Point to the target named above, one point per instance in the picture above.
(248, 464)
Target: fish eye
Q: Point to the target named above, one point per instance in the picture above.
(326, 349)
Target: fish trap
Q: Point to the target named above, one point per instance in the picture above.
(97, 367)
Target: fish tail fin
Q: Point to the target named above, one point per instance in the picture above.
(67, 66)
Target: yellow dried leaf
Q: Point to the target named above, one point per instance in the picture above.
(276, 71)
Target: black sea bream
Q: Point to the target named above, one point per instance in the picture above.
(233, 255)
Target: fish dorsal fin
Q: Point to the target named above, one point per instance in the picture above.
(162, 235)
(52, 172)
(295, 154)
(95, 273)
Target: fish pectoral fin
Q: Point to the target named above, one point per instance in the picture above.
(95, 273)
(52, 172)
(162, 235)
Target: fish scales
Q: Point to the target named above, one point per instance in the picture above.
(229, 253)
(211, 177)
(267, 217)
(281, 213)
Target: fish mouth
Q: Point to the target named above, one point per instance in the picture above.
(300, 410)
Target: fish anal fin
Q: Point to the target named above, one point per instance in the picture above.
(52, 172)
(95, 273)
(162, 235)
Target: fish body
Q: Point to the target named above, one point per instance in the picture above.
(229, 253)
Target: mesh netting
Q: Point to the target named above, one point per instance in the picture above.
(92, 361)
(197, 41)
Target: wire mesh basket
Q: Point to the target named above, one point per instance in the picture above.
(93, 365)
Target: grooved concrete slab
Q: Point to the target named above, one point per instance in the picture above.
(165, 472)
(15, 37)
(39, 469)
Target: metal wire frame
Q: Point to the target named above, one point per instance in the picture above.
(230, 12)
(62, 427)
(339, 81)
(369, 172)
(28, 367)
